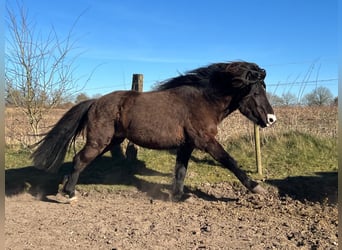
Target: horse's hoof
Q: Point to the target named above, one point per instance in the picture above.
(73, 199)
(258, 189)
(62, 197)
(177, 197)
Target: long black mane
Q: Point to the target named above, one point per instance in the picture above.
(233, 74)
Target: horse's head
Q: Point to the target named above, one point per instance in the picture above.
(254, 103)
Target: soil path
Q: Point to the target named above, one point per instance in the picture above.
(132, 220)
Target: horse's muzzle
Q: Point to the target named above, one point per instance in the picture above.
(271, 119)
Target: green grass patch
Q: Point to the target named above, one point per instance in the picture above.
(288, 154)
(16, 157)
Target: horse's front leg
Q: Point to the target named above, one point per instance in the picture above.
(183, 156)
(219, 154)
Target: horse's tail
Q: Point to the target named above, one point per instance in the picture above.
(52, 148)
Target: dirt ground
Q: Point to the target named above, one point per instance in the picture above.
(217, 216)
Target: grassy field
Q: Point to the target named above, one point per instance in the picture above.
(294, 160)
(290, 155)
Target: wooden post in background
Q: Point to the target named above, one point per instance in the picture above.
(137, 85)
(257, 149)
(137, 82)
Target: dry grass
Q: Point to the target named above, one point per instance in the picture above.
(317, 121)
(17, 128)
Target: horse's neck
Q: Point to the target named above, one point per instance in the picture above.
(225, 106)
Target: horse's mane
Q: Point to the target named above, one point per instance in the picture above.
(202, 77)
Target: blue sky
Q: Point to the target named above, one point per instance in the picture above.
(295, 41)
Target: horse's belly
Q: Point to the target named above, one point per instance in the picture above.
(157, 135)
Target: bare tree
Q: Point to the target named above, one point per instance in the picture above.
(274, 99)
(319, 97)
(38, 69)
(81, 97)
(335, 101)
(288, 99)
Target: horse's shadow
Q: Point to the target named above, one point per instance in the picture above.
(321, 187)
(104, 170)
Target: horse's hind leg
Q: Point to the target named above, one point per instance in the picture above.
(115, 148)
(98, 142)
(183, 156)
(81, 160)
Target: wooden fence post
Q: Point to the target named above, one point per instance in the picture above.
(137, 82)
(137, 85)
(257, 149)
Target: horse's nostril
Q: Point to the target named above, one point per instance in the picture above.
(271, 119)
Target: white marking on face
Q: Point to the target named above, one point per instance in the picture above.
(271, 119)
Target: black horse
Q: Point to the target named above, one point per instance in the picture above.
(182, 113)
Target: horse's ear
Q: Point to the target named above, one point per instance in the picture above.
(262, 74)
(254, 75)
